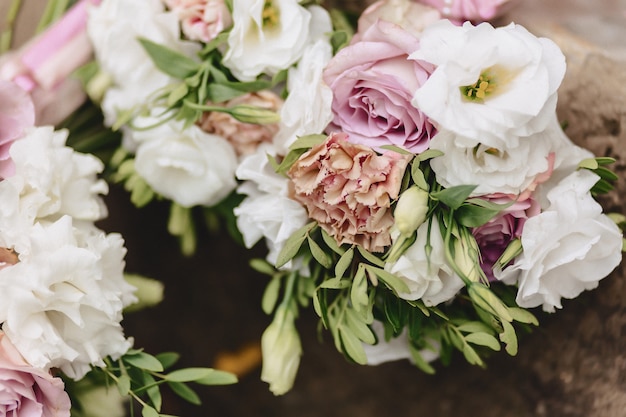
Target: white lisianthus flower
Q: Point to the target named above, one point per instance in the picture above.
(267, 211)
(186, 165)
(308, 107)
(393, 350)
(63, 300)
(491, 85)
(114, 28)
(270, 35)
(567, 248)
(52, 180)
(428, 276)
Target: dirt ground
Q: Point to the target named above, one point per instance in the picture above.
(574, 365)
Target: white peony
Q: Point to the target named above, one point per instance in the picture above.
(428, 277)
(186, 165)
(267, 211)
(114, 28)
(52, 180)
(270, 35)
(491, 85)
(568, 248)
(62, 302)
(307, 108)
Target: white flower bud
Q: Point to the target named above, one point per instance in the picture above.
(281, 348)
(411, 210)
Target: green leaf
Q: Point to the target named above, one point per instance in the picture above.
(293, 244)
(453, 197)
(144, 360)
(123, 385)
(483, 339)
(359, 327)
(605, 160)
(352, 346)
(371, 258)
(332, 243)
(148, 411)
(390, 280)
(270, 295)
(184, 392)
(606, 174)
(470, 215)
(509, 338)
(335, 284)
(523, 316)
(344, 263)
(471, 356)
(484, 298)
(188, 374)
(169, 61)
(307, 142)
(474, 327)
(396, 149)
(429, 154)
(318, 253)
(168, 359)
(418, 177)
(589, 163)
(289, 160)
(262, 266)
(177, 94)
(419, 361)
(217, 377)
(358, 291)
(153, 391)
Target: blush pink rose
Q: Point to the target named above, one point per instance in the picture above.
(245, 137)
(201, 20)
(473, 10)
(17, 113)
(348, 189)
(373, 81)
(26, 391)
(494, 236)
(411, 15)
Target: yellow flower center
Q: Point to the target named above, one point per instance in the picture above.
(270, 15)
(482, 88)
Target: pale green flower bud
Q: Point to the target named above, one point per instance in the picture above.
(253, 114)
(281, 348)
(411, 210)
(466, 259)
(149, 292)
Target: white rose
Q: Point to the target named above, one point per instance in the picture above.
(267, 211)
(307, 109)
(269, 36)
(62, 302)
(186, 165)
(114, 28)
(428, 277)
(568, 248)
(511, 76)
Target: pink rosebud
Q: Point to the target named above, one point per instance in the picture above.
(494, 236)
(348, 190)
(473, 10)
(201, 20)
(245, 137)
(373, 81)
(16, 114)
(28, 391)
(43, 66)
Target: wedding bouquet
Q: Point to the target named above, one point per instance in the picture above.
(63, 289)
(428, 198)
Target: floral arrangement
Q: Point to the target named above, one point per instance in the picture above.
(63, 289)
(404, 167)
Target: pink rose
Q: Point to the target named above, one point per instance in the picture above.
(373, 81)
(202, 20)
(17, 112)
(245, 137)
(494, 236)
(348, 190)
(474, 10)
(411, 15)
(26, 391)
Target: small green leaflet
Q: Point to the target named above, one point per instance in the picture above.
(453, 197)
(169, 61)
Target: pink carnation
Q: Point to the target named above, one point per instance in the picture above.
(27, 391)
(17, 112)
(245, 137)
(202, 20)
(348, 190)
(494, 236)
(373, 81)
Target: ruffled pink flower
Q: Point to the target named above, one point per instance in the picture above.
(373, 81)
(494, 236)
(348, 189)
(201, 20)
(473, 10)
(245, 137)
(17, 113)
(27, 391)
(411, 15)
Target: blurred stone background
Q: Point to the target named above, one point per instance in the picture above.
(573, 365)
